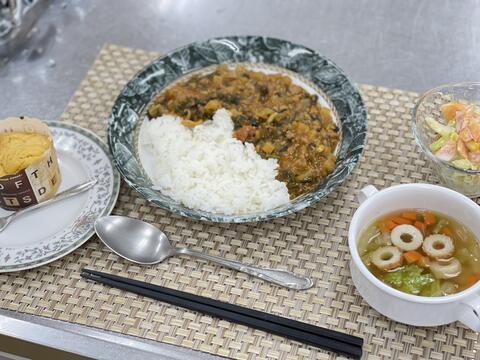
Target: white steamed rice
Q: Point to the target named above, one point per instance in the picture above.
(206, 168)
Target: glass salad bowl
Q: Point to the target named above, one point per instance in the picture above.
(453, 174)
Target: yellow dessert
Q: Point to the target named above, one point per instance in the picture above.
(18, 150)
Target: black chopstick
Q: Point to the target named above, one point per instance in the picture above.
(306, 333)
(238, 309)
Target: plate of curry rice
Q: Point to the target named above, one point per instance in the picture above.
(237, 129)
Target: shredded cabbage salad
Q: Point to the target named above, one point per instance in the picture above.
(458, 139)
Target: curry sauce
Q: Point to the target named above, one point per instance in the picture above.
(281, 119)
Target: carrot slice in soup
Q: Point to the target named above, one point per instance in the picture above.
(472, 279)
(420, 226)
(412, 256)
(446, 231)
(391, 225)
(411, 215)
(400, 220)
(382, 225)
(429, 218)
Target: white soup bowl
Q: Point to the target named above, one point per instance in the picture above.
(412, 309)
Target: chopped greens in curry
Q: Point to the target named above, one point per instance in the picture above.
(282, 120)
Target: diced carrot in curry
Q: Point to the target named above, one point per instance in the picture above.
(243, 132)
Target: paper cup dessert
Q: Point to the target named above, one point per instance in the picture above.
(29, 172)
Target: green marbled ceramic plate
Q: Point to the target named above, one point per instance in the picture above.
(305, 65)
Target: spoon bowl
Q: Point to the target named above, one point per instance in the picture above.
(134, 240)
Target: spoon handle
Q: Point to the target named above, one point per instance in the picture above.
(279, 277)
(68, 193)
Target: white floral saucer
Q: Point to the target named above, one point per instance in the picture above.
(49, 233)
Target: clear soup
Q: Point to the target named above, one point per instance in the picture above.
(421, 252)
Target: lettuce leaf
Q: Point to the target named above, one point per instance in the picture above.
(463, 164)
(410, 279)
(437, 144)
(441, 129)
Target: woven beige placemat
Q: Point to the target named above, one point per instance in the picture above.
(311, 242)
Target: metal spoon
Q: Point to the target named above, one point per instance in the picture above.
(77, 189)
(142, 243)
